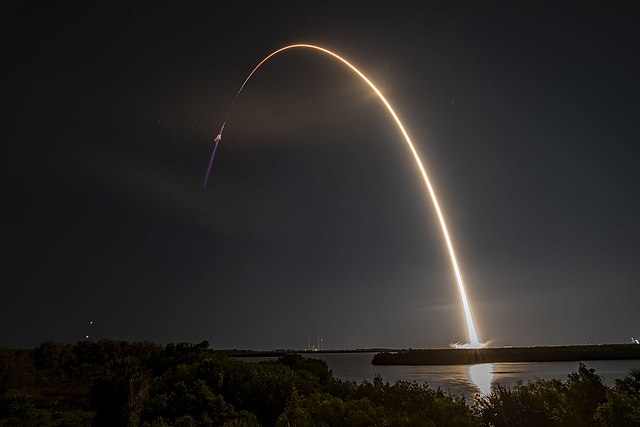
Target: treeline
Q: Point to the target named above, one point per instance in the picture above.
(111, 383)
(449, 356)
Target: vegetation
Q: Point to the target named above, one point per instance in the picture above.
(448, 356)
(111, 383)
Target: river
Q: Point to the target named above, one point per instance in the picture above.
(468, 381)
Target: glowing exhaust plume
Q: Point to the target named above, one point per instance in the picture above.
(474, 341)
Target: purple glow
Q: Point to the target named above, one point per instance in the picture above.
(206, 178)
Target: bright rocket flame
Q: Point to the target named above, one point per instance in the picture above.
(474, 341)
(470, 345)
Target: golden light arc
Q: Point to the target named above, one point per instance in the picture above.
(472, 333)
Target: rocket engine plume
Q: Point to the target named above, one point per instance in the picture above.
(474, 341)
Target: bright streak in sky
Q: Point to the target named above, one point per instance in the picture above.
(474, 341)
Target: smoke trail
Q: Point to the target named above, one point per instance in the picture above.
(474, 341)
(213, 154)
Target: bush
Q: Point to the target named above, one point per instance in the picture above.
(622, 407)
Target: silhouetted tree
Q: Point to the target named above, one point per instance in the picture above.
(119, 396)
(585, 392)
(622, 407)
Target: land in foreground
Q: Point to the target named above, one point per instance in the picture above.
(143, 384)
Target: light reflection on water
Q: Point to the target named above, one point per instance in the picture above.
(481, 376)
(468, 381)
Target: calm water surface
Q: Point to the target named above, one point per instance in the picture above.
(464, 380)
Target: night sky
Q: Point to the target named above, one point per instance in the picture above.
(316, 222)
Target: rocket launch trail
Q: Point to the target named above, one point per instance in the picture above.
(474, 341)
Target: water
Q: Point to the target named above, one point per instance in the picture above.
(467, 381)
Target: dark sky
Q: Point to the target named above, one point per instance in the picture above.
(316, 222)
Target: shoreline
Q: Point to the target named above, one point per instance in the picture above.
(508, 354)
